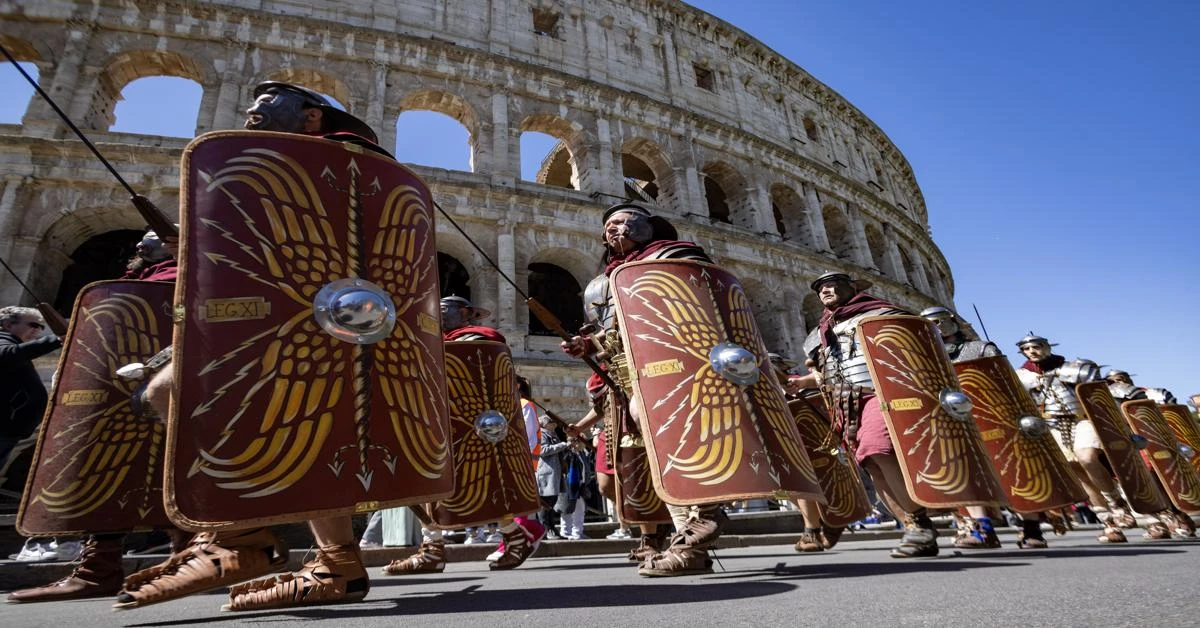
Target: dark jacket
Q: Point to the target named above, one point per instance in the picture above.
(22, 395)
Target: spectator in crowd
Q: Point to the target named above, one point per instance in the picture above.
(572, 504)
(550, 475)
(23, 397)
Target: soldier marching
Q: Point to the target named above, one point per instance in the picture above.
(314, 373)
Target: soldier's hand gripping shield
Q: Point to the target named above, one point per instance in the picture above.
(493, 475)
(840, 478)
(1187, 431)
(98, 464)
(1120, 448)
(1164, 454)
(714, 420)
(937, 443)
(1033, 470)
(308, 358)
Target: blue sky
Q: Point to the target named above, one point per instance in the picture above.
(1055, 143)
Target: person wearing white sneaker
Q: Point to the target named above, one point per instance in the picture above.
(35, 551)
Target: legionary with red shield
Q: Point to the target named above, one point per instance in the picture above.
(493, 480)
(696, 398)
(895, 401)
(307, 381)
(1086, 422)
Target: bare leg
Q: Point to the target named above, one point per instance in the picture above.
(920, 538)
(889, 482)
(811, 511)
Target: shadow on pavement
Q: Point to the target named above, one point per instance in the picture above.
(474, 599)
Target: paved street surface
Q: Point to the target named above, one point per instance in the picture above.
(1076, 582)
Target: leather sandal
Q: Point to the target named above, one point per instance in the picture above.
(430, 558)
(335, 576)
(213, 560)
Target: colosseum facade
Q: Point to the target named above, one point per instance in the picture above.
(777, 175)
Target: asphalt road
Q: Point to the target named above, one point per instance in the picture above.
(1076, 582)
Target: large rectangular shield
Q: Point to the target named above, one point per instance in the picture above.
(1187, 431)
(1117, 442)
(1163, 453)
(98, 463)
(297, 396)
(1032, 467)
(493, 477)
(939, 447)
(710, 438)
(840, 478)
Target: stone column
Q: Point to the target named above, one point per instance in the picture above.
(63, 83)
(795, 319)
(607, 177)
(861, 250)
(920, 280)
(376, 98)
(506, 295)
(763, 219)
(892, 255)
(815, 218)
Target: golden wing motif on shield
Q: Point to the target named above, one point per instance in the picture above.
(945, 441)
(743, 331)
(513, 455)
(396, 244)
(294, 250)
(1026, 462)
(473, 456)
(111, 443)
(712, 446)
(1179, 472)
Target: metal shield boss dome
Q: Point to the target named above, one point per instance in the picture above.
(1186, 451)
(735, 363)
(956, 403)
(491, 426)
(1032, 426)
(1139, 441)
(355, 310)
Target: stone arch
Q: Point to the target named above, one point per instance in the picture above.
(56, 271)
(769, 309)
(100, 257)
(647, 167)
(726, 195)
(812, 310)
(452, 244)
(557, 289)
(566, 154)
(127, 66)
(792, 212)
(877, 247)
(838, 231)
(447, 104)
(454, 280)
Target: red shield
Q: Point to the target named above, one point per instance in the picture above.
(636, 497)
(939, 447)
(98, 463)
(709, 439)
(1162, 452)
(1187, 432)
(1116, 440)
(846, 498)
(1032, 467)
(276, 420)
(493, 477)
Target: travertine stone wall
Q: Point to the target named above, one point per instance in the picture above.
(810, 183)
